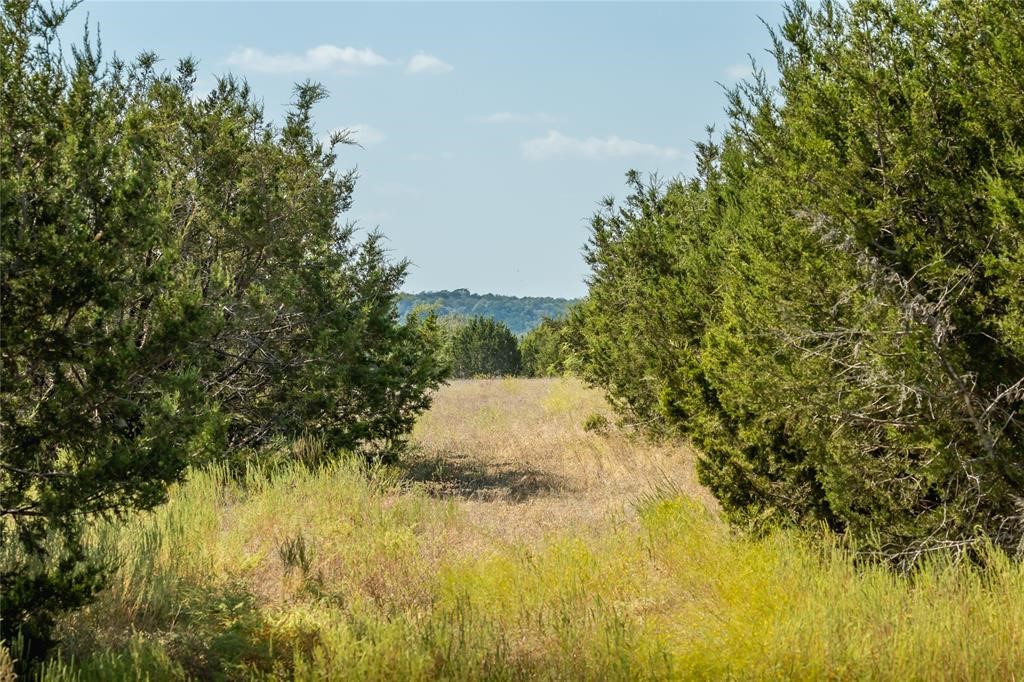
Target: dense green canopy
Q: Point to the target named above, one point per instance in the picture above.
(482, 347)
(545, 350)
(177, 287)
(518, 313)
(833, 309)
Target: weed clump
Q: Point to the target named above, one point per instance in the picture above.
(596, 423)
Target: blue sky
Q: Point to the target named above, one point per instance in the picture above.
(489, 131)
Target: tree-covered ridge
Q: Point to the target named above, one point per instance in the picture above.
(520, 314)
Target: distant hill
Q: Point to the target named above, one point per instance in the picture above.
(521, 314)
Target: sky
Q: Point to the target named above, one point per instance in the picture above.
(489, 131)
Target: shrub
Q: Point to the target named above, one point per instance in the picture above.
(543, 349)
(176, 287)
(596, 423)
(831, 309)
(484, 347)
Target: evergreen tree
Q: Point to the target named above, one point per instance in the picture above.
(98, 412)
(484, 347)
(176, 286)
(543, 349)
(831, 309)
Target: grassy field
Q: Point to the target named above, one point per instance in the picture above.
(514, 544)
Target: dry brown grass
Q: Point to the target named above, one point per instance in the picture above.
(514, 453)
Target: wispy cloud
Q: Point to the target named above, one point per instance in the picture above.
(428, 64)
(363, 133)
(738, 71)
(558, 145)
(500, 117)
(320, 58)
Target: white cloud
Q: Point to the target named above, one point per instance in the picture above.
(428, 64)
(363, 133)
(738, 71)
(511, 117)
(555, 145)
(320, 58)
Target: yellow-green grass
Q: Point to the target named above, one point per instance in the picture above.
(515, 545)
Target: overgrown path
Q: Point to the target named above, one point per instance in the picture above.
(520, 456)
(512, 544)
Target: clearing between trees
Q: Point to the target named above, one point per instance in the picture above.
(513, 542)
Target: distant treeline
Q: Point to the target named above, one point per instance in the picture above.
(484, 347)
(519, 314)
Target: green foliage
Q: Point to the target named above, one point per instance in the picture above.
(831, 310)
(520, 314)
(176, 286)
(483, 346)
(97, 416)
(544, 350)
(294, 552)
(596, 423)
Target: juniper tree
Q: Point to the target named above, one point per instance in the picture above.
(176, 285)
(543, 349)
(484, 347)
(831, 309)
(99, 413)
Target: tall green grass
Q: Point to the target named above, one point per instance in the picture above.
(347, 572)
